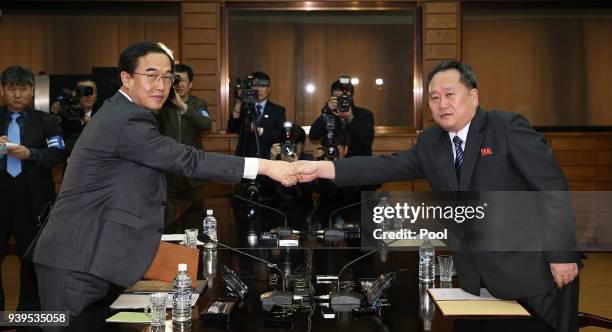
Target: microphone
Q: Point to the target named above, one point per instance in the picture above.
(284, 231)
(332, 233)
(269, 298)
(350, 297)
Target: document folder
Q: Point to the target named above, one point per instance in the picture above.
(456, 302)
(165, 264)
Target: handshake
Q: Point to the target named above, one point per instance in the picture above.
(288, 174)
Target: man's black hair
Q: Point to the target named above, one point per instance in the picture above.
(297, 134)
(183, 68)
(128, 60)
(17, 75)
(467, 76)
(260, 75)
(82, 79)
(338, 86)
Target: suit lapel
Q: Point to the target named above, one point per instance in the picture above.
(445, 162)
(472, 146)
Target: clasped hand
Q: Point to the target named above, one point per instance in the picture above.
(288, 174)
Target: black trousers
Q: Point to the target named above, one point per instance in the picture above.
(86, 297)
(558, 307)
(16, 220)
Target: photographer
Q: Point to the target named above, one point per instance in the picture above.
(75, 108)
(183, 117)
(268, 119)
(290, 149)
(332, 197)
(356, 121)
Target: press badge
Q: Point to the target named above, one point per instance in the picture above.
(56, 142)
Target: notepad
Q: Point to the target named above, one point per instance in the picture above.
(153, 286)
(458, 294)
(139, 301)
(129, 317)
(457, 302)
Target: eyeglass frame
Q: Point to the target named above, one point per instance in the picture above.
(152, 78)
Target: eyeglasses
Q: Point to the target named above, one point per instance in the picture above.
(152, 78)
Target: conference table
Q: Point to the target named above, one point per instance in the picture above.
(408, 307)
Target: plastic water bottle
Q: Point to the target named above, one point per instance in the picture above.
(181, 295)
(427, 263)
(427, 309)
(209, 227)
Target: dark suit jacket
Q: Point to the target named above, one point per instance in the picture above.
(108, 217)
(520, 161)
(271, 121)
(35, 129)
(185, 129)
(361, 131)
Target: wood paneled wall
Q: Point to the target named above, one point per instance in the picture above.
(61, 39)
(200, 36)
(441, 41)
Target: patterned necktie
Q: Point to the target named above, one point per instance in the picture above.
(13, 165)
(459, 158)
(258, 112)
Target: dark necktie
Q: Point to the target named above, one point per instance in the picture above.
(13, 165)
(459, 155)
(258, 112)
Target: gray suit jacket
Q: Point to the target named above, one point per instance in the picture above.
(520, 161)
(108, 217)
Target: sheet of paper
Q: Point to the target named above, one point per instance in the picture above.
(129, 317)
(458, 294)
(499, 308)
(177, 238)
(139, 301)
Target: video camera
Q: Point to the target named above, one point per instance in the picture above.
(69, 101)
(244, 89)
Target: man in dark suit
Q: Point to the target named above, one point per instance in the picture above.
(269, 119)
(107, 222)
(25, 173)
(185, 118)
(356, 121)
(474, 150)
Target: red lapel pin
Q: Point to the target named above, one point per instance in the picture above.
(486, 152)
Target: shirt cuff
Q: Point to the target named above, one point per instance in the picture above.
(251, 168)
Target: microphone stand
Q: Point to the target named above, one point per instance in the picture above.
(350, 297)
(332, 233)
(281, 231)
(269, 298)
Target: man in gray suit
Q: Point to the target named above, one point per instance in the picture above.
(474, 150)
(105, 227)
